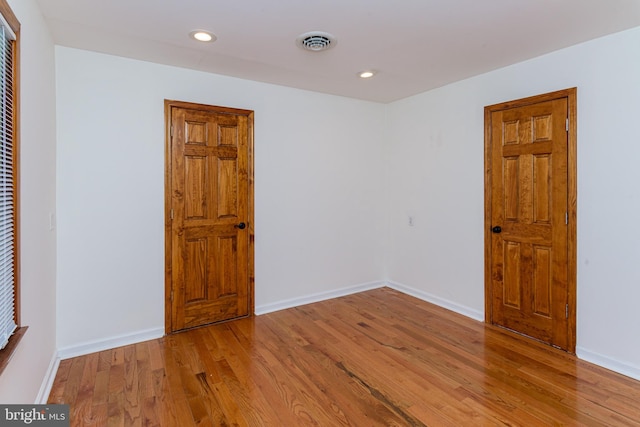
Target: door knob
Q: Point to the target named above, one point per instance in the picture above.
(497, 229)
(241, 226)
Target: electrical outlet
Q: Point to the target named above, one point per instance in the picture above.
(410, 221)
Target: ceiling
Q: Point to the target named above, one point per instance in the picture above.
(415, 45)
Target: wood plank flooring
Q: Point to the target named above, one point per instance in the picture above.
(378, 358)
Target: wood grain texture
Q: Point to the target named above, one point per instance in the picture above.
(532, 197)
(208, 205)
(378, 358)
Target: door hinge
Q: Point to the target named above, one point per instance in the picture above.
(171, 213)
(567, 125)
(566, 218)
(566, 311)
(171, 295)
(171, 131)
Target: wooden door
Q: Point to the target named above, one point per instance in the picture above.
(209, 214)
(530, 217)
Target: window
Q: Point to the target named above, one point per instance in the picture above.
(9, 316)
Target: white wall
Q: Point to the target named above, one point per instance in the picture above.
(321, 197)
(322, 193)
(22, 379)
(319, 186)
(436, 174)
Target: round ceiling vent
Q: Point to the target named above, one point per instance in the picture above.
(316, 41)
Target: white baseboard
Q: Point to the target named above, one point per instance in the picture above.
(47, 382)
(109, 343)
(321, 296)
(582, 353)
(425, 296)
(609, 363)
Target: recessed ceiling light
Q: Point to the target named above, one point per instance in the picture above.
(366, 74)
(202, 36)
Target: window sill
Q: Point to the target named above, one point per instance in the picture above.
(7, 352)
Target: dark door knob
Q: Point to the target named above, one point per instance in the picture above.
(241, 226)
(497, 229)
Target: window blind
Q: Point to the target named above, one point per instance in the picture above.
(7, 242)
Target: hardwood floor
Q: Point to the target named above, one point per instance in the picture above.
(378, 358)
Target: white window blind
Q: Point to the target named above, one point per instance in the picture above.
(7, 242)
